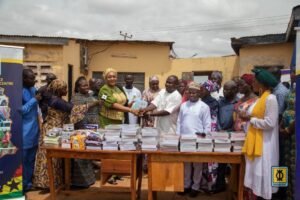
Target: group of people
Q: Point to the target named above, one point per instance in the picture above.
(257, 103)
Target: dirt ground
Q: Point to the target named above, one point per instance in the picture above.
(95, 193)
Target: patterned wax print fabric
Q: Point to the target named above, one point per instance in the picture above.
(239, 124)
(82, 170)
(58, 114)
(148, 95)
(288, 155)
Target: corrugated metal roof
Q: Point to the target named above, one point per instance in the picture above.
(58, 40)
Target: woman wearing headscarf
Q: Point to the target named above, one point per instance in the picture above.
(210, 169)
(245, 88)
(82, 169)
(261, 146)
(59, 113)
(114, 100)
(206, 89)
(148, 96)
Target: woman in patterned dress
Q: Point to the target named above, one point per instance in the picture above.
(59, 113)
(148, 95)
(82, 169)
(245, 88)
(287, 130)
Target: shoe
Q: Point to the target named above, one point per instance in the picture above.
(186, 190)
(193, 193)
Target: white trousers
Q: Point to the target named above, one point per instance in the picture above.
(192, 180)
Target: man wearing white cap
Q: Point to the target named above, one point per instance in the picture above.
(194, 117)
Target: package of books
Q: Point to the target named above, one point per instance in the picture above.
(110, 145)
(188, 143)
(93, 141)
(68, 127)
(237, 136)
(66, 139)
(169, 143)
(149, 138)
(78, 141)
(55, 141)
(222, 135)
(53, 137)
(237, 141)
(222, 145)
(205, 144)
(129, 137)
(54, 132)
(139, 104)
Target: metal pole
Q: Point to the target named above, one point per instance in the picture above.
(297, 175)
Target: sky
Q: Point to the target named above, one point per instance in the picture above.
(199, 28)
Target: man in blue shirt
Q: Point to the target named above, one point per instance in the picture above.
(30, 126)
(226, 106)
(225, 123)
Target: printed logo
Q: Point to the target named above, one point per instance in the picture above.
(104, 97)
(279, 176)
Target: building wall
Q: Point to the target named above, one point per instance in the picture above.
(71, 56)
(228, 65)
(152, 59)
(271, 54)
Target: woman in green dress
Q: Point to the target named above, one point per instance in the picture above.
(114, 100)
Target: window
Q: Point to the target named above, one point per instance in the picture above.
(139, 79)
(201, 77)
(40, 70)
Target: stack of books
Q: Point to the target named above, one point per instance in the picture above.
(111, 138)
(222, 145)
(169, 143)
(188, 143)
(53, 137)
(129, 137)
(93, 141)
(237, 141)
(204, 144)
(149, 138)
(220, 135)
(66, 134)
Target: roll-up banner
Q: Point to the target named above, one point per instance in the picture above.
(11, 66)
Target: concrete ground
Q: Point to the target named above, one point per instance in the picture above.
(95, 193)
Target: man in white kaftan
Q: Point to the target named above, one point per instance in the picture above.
(132, 94)
(194, 117)
(165, 104)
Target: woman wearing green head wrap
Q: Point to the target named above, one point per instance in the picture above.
(261, 145)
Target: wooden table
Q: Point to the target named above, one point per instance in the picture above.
(57, 152)
(173, 164)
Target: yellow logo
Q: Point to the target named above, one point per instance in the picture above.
(279, 176)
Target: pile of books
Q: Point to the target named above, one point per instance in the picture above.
(66, 134)
(149, 138)
(188, 143)
(220, 135)
(129, 137)
(93, 141)
(53, 137)
(205, 144)
(237, 141)
(222, 145)
(169, 143)
(112, 136)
